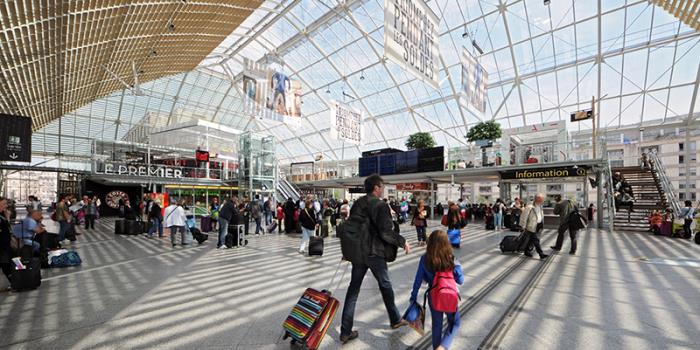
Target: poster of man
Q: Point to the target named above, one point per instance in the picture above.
(270, 93)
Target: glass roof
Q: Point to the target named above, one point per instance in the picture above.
(543, 61)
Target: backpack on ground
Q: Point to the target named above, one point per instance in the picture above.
(444, 295)
(354, 233)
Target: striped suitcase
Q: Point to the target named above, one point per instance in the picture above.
(311, 317)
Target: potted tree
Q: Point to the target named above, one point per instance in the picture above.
(483, 134)
(420, 140)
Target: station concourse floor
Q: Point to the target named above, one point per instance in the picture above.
(621, 291)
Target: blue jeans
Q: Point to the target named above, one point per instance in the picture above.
(420, 231)
(404, 216)
(498, 220)
(268, 218)
(381, 273)
(223, 231)
(156, 227)
(35, 245)
(453, 322)
(306, 234)
(64, 226)
(258, 228)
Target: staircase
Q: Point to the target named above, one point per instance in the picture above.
(648, 195)
(286, 189)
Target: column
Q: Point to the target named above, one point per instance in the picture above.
(600, 200)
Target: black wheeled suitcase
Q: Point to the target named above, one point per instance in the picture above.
(315, 245)
(133, 227)
(271, 227)
(235, 236)
(28, 278)
(119, 226)
(198, 235)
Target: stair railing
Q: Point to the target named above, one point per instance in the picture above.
(665, 183)
(611, 196)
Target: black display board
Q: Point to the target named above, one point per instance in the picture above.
(15, 138)
(541, 173)
(102, 191)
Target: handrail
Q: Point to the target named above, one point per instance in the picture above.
(611, 197)
(666, 184)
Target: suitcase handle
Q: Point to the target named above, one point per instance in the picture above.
(330, 284)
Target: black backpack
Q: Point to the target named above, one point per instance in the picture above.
(576, 220)
(497, 208)
(354, 232)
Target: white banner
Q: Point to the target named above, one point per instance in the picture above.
(474, 82)
(411, 38)
(346, 123)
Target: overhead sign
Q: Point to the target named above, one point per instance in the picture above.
(201, 156)
(413, 186)
(581, 115)
(15, 138)
(137, 170)
(541, 173)
(411, 38)
(346, 123)
(474, 82)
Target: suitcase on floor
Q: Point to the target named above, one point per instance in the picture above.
(271, 227)
(235, 236)
(666, 227)
(507, 220)
(315, 244)
(133, 227)
(198, 235)
(310, 318)
(697, 237)
(27, 279)
(455, 237)
(513, 244)
(206, 224)
(119, 227)
(147, 225)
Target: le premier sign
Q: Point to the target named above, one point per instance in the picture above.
(138, 170)
(541, 173)
(15, 138)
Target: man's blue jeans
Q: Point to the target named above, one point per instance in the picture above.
(381, 273)
(268, 218)
(223, 230)
(257, 226)
(64, 226)
(156, 227)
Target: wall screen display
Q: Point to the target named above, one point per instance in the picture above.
(15, 138)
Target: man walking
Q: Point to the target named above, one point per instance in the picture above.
(532, 222)
(256, 213)
(383, 244)
(564, 209)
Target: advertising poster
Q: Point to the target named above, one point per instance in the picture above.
(15, 138)
(411, 38)
(270, 93)
(346, 123)
(474, 82)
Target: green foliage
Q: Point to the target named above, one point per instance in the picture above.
(420, 140)
(489, 130)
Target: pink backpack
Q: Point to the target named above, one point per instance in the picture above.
(443, 293)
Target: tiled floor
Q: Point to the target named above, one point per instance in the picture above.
(622, 291)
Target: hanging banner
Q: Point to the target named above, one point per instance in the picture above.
(474, 82)
(15, 138)
(346, 123)
(270, 93)
(411, 38)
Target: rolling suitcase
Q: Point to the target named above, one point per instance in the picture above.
(28, 278)
(271, 227)
(119, 226)
(666, 227)
(513, 244)
(198, 235)
(315, 244)
(133, 227)
(206, 224)
(235, 236)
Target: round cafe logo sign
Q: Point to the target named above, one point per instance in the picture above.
(113, 197)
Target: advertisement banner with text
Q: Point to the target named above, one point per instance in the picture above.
(474, 82)
(411, 38)
(15, 138)
(346, 123)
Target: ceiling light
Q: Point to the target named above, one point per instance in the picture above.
(328, 91)
(362, 75)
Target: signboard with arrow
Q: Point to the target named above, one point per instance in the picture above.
(15, 138)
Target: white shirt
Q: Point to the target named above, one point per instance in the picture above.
(539, 213)
(174, 216)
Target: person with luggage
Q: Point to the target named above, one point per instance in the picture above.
(687, 213)
(404, 207)
(439, 259)
(256, 214)
(5, 239)
(226, 215)
(384, 242)
(498, 208)
(420, 221)
(175, 219)
(532, 222)
(155, 215)
(564, 208)
(589, 212)
(454, 225)
(30, 226)
(289, 222)
(308, 221)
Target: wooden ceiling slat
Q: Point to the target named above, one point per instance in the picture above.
(53, 50)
